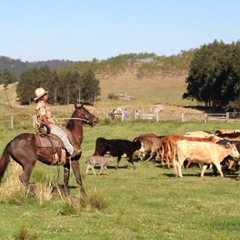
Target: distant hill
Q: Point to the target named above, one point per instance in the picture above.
(146, 63)
(17, 67)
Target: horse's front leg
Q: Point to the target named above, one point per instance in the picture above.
(66, 178)
(76, 170)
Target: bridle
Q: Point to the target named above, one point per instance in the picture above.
(85, 119)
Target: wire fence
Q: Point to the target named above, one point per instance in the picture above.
(16, 121)
(24, 117)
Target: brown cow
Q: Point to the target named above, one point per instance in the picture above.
(148, 135)
(150, 144)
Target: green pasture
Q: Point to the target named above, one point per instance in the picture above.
(147, 203)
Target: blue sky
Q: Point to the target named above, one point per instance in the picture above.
(79, 30)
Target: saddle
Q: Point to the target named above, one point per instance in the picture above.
(45, 140)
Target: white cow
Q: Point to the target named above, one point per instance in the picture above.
(202, 152)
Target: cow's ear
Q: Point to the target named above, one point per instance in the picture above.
(228, 144)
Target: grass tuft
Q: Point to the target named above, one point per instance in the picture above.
(95, 200)
(43, 192)
(13, 191)
(25, 234)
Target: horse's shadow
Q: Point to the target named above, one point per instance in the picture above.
(55, 187)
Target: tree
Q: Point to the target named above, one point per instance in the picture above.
(54, 84)
(7, 77)
(214, 74)
(27, 85)
(90, 89)
(49, 80)
(78, 87)
(68, 88)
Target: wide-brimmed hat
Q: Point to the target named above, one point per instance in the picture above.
(39, 92)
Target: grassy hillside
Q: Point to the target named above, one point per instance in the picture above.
(153, 89)
(149, 90)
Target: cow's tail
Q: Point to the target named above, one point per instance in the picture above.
(4, 160)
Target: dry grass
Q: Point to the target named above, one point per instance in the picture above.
(12, 185)
(12, 190)
(43, 192)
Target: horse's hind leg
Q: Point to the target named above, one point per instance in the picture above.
(27, 170)
(76, 170)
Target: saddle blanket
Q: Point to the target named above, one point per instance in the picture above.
(48, 140)
(51, 141)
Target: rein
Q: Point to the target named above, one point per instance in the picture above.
(80, 119)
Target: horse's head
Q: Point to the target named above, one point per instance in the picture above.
(84, 115)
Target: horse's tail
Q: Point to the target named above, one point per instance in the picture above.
(4, 161)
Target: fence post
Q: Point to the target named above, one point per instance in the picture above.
(157, 117)
(182, 117)
(11, 122)
(227, 116)
(205, 117)
(135, 115)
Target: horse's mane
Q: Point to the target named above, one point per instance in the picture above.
(71, 124)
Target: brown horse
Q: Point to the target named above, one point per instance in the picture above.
(25, 150)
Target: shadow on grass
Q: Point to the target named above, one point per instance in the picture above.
(112, 167)
(206, 174)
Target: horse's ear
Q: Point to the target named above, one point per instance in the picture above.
(75, 105)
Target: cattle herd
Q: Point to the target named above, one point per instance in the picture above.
(219, 150)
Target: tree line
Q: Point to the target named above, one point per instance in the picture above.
(17, 67)
(214, 76)
(65, 88)
(7, 77)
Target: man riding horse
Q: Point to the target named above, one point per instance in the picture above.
(26, 149)
(46, 122)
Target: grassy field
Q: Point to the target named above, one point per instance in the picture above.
(147, 203)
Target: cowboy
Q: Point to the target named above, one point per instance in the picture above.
(45, 121)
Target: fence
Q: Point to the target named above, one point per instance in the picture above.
(17, 121)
